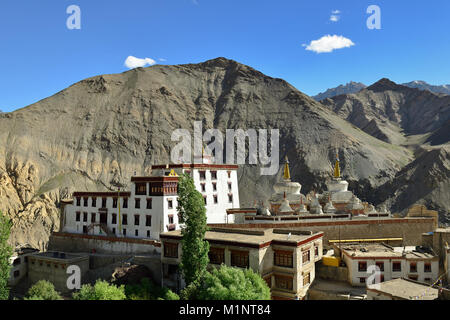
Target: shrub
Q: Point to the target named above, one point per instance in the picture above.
(43, 290)
(102, 290)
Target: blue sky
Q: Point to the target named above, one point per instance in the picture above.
(40, 56)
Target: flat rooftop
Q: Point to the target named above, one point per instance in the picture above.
(252, 237)
(405, 289)
(361, 250)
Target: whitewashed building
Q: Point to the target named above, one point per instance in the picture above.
(150, 208)
(414, 263)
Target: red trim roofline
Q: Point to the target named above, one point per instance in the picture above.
(197, 166)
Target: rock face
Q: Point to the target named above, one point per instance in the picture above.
(351, 87)
(100, 131)
(393, 112)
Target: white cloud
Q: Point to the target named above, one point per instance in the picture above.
(334, 18)
(133, 62)
(162, 59)
(329, 43)
(335, 15)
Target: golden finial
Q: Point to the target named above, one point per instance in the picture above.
(287, 173)
(337, 169)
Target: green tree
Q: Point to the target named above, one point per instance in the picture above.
(227, 283)
(102, 290)
(147, 290)
(6, 252)
(191, 207)
(43, 290)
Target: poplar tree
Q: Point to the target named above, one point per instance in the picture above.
(6, 252)
(192, 212)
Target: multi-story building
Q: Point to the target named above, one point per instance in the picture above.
(285, 259)
(414, 263)
(19, 263)
(54, 267)
(150, 208)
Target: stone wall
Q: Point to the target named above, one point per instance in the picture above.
(88, 243)
(410, 229)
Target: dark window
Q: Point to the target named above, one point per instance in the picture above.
(306, 256)
(316, 251)
(202, 175)
(78, 201)
(148, 233)
(103, 202)
(229, 186)
(124, 232)
(136, 220)
(414, 278)
(214, 175)
(16, 262)
(114, 219)
(125, 203)
(149, 203)
(124, 219)
(85, 230)
(170, 250)
(85, 202)
(413, 267)
(427, 267)
(204, 199)
(94, 202)
(170, 204)
(306, 279)
(230, 198)
(103, 218)
(114, 202)
(284, 283)
(229, 174)
(170, 219)
(93, 217)
(284, 259)
(239, 259)
(362, 266)
(362, 280)
(148, 221)
(136, 233)
(85, 217)
(216, 256)
(141, 189)
(203, 186)
(78, 216)
(380, 265)
(214, 186)
(215, 199)
(137, 203)
(396, 266)
(114, 230)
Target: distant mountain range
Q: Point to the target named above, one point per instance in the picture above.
(351, 87)
(355, 87)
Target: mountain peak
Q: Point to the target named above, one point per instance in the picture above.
(382, 85)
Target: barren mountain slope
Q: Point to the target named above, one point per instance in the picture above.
(102, 130)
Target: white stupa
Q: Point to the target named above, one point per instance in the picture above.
(286, 189)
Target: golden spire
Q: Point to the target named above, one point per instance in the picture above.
(337, 169)
(287, 174)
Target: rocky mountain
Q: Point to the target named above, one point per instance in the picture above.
(413, 118)
(422, 85)
(351, 87)
(393, 113)
(100, 131)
